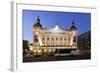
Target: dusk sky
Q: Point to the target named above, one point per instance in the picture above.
(49, 19)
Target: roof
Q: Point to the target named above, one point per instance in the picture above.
(37, 24)
(73, 27)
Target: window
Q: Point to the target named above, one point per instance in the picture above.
(47, 38)
(56, 38)
(43, 38)
(68, 40)
(35, 38)
(52, 38)
(60, 38)
(74, 39)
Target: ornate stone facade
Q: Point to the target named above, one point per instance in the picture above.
(53, 38)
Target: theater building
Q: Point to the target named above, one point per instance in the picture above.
(53, 40)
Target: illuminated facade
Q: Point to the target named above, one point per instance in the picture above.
(53, 39)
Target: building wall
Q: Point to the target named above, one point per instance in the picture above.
(52, 38)
(84, 41)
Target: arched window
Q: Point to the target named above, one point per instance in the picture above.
(56, 38)
(60, 38)
(52, 38)
(43, 39)
(35, 38)
(47, 38)
(68, 41)
(74, 39)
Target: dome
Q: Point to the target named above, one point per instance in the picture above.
(56, 27)
(73, 26)
(37, 24)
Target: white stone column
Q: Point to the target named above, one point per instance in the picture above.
(59, 40)
(54, 41)
(62, 40)
(66, 41)
(50, 40)
(45, 41)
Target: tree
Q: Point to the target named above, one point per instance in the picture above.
(25, 46)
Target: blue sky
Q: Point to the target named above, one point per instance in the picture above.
(50, 18)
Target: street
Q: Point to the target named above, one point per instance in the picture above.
(57, 58)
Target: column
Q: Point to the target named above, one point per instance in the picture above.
(45, 41)
(49, 41)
